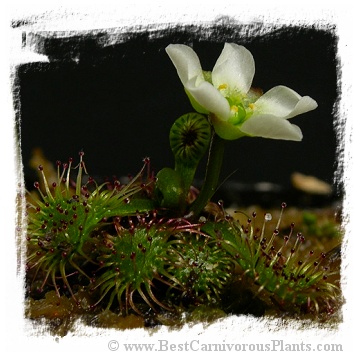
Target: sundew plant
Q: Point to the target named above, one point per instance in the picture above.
(158, 250)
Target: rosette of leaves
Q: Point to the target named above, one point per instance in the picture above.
(137, 266)
(62, 219)
(203, 267)
(278, 268)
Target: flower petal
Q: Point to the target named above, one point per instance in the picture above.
(209, 97)
(271, 127)
(234, 67)
(284, 102)
(185, 61)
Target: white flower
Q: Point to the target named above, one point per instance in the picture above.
(235, 108)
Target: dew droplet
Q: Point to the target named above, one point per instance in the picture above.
(268, 217)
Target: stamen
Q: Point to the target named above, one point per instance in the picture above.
(222, 86)
(234, 109)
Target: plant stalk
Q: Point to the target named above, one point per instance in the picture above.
(214, 164)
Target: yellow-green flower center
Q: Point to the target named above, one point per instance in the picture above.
(241, 105)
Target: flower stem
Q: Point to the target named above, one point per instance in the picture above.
(214, 164)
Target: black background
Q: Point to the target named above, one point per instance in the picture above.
(115, 96)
